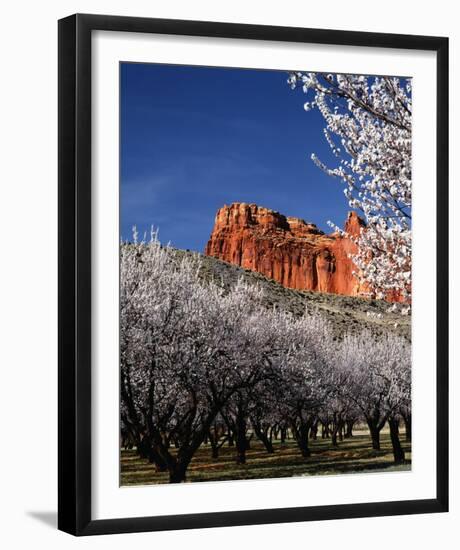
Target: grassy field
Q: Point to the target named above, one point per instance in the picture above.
(354, 455)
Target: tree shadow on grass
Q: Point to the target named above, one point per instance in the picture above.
(352, 455)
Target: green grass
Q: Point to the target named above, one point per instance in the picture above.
(354, 455)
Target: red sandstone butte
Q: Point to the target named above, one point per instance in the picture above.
(289, 250)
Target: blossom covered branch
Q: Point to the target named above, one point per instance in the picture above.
(368, 127)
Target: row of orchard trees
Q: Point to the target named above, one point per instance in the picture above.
(203, 364)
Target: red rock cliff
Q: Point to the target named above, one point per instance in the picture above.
(289, 250)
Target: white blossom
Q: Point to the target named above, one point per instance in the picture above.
(371, 117)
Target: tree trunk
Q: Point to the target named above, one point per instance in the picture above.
(302, 439)
(336, 430)
(267, 444)
(213, 438)
(398, 452)
(143, 448)
(334, 438)
(155, 458)
(314, 431)
(178, 465)
(146, 450)
(262, 435)
(242, 445)
(241, 455)
(375, 435)
(349, 428)
(304, 449)
(283, 436)
(408, 425)
(177, 473)
(341, 430)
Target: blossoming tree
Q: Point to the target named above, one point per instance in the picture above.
(368, 126)
(374, 373)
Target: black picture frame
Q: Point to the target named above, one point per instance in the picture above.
(74, 171)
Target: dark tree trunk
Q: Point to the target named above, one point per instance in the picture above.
(128, 439)
(262, 435)
(301, 436)
(242, 443)
(375, 435)
(178, 465)
(230, 431)
(336, 430)
(334, 438)
(398, 452)
(214, 437)
(147, 450)
(240, 455)
(155, 458)
(283, 436)
(408, 425)
(303, 446)
(341, 430)
(187, 444)
(177, 473)
(267, 443)
(143, 448)
(214, 446)
(349, 428)
(314, 430)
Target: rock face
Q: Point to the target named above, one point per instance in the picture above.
(289, 250)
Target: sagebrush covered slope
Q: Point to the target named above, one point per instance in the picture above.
(346, 313)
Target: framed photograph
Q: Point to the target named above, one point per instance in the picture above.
(253, 265)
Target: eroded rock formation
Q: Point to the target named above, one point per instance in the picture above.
(289, 250)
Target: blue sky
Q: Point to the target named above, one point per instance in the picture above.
(196, 138)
